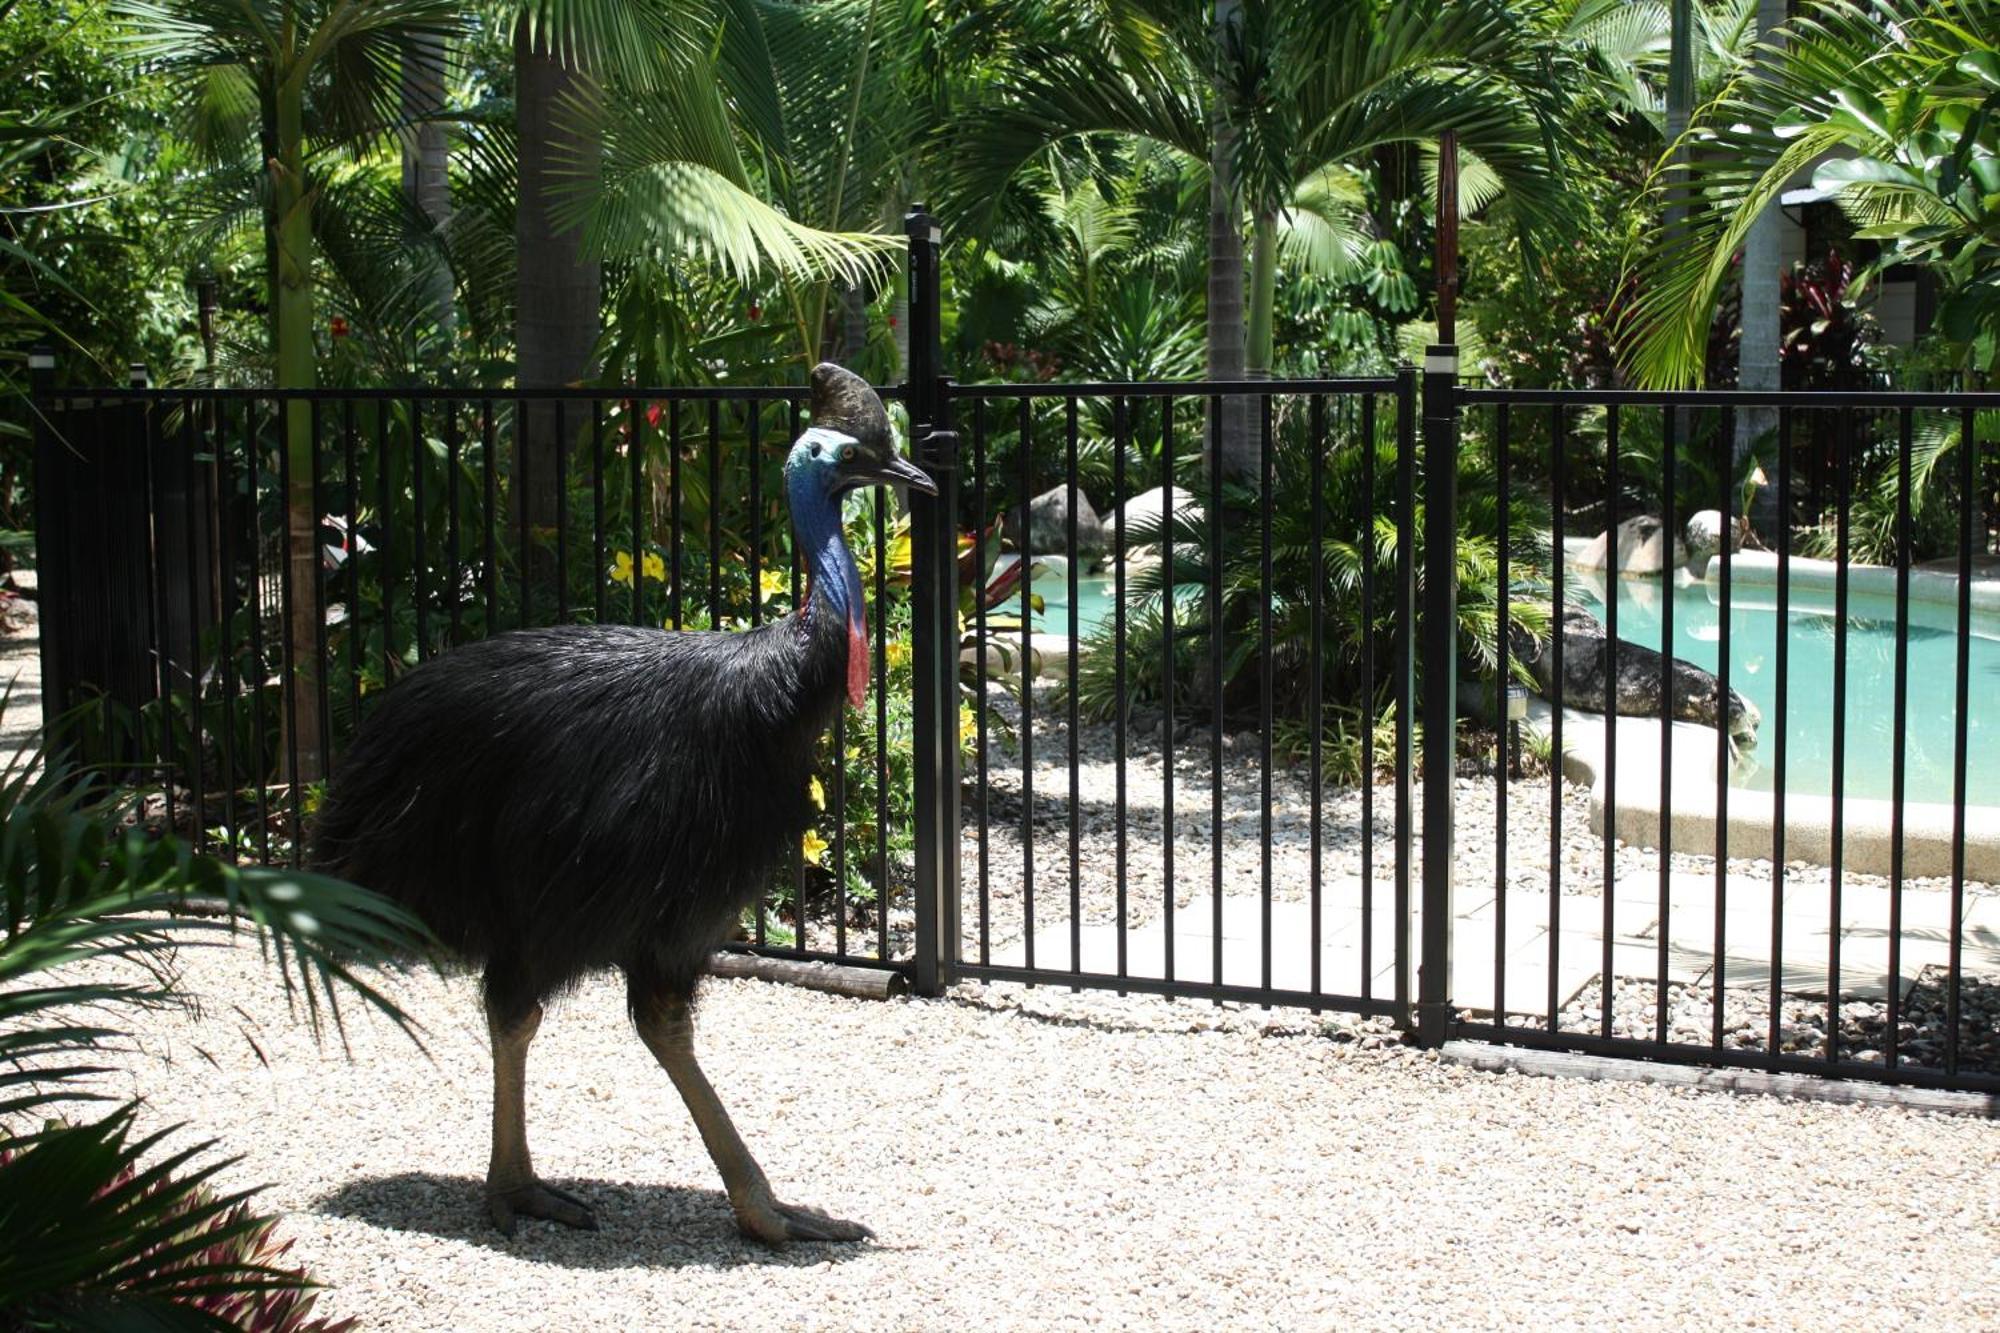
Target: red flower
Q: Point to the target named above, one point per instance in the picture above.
(337, 326)
(756, 312)
(652, 414)
(892, 321)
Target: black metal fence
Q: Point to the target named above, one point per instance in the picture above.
(1791, 890)
(1176, 748)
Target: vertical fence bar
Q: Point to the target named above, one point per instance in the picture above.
(1954, 965)
(489, 522)
(1370, 714)
(637, 460)
(195, 578)
(453, 538)
(1264, 483)
(562, 513)
(1725, 444)
(1406, 675)
(1502, 721)
(794, 411)
(1440, 686)
(1169, 559)
(521, 487)
(1782, 664)
(884, 892)
(1898, 774)
(1119, 444)
(351, 545)
(1025, 447)
(260, 737)
(1315, 716)
(385, 563)
(1844, 484)
(1216, 628)
(979, 512)
(597, 508)
(321, 685)
(41, 386)
(1669, 450)
(1610, 838)
(755, 460)
(1558, 475)
(714, 516)
(287, 407)
(934, 620)
(163, 683)
(420, 556)
(225, 511)
(1074, 719)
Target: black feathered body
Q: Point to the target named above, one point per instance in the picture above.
(552, 801)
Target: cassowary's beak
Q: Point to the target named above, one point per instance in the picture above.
(899, 471)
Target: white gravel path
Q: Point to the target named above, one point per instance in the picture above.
(1040, 1160)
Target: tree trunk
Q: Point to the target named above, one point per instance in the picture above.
(299, 745)
(853, 323)
(1757, 354)
(557, 294)
(1263, 294)
(1228, 443)
(425, 156)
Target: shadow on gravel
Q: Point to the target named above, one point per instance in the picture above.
(639, 1226)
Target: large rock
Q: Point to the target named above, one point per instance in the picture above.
(1641, 684)
(1142, 514)
(1048, 525)
(1642, 541)
(1704, 537)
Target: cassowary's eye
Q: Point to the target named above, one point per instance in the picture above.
(846, 452)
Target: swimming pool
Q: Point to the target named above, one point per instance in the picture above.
(1928, 735)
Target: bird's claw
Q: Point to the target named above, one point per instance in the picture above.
(535, 1199)
(776, 1223)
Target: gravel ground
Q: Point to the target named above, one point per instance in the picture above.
(1030, 1159)
(1922, 1020)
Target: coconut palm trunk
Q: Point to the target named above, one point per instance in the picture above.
(1757, 355)
(1228, 441)
(293, 326)
(426, 157)
(558, 294)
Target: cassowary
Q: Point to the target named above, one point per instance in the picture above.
(552, 801)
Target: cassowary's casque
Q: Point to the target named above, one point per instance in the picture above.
(550, 801)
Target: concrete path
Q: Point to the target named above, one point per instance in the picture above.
(21, 675)
(1572, 942)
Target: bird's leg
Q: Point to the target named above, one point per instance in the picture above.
(512, 1191)
(667, 1026)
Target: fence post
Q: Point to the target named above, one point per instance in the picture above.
(1440, 686)
(41, 385)
(934, 618)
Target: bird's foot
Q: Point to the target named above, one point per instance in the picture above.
(534, 1199)
(776, 1223)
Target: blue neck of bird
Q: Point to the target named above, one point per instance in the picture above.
(816, 521)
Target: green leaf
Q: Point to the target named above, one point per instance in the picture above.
(1981, 65)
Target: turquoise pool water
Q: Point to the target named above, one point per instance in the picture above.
(1928, 735)
(1094, 602)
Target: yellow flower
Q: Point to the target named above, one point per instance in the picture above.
(818, 794)
(812, 846)
(897, 652)
(654, 567)
(773, 583)
(968, 725)
(621, 569)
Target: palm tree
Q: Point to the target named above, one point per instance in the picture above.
(1888, 105)
(779, 152)
(102, 1225)
(1275, 92)
(253, 67)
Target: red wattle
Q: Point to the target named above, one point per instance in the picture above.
(857, 659)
